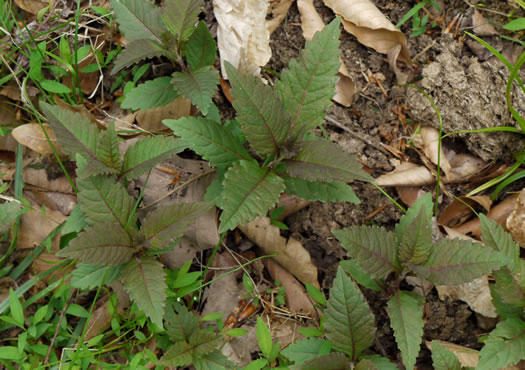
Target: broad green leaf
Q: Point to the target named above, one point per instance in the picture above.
(103, 200)
(8, 213)
(495, 237)
(77, 310)
(138, 19)
(330, 361)
(416, 242)
(165, 225)
(213, 142)
(304, 350)
(101, 244)
(11, 353)
(55, 87)
(87, 276)
(459, 261)
(201, 342)
(443, 359)
(144, 280)
(315, 294)
(249, 191)
(504, 347)
(349, 324)
(213, 361)
(308, 85)
(180, 17)
(107, 149)
(357, 273)
(260, 112)
(146, 153)
(180, 324)
(373, 248)
(381, 363)
(17, 311)
(257, 364)
(264, 337)
(136, 51)
(425, 202)
(200, 49)
(322, 160)
(151, 94)
(199, 86)
(515, 25)
(335, 191)
(405, 310)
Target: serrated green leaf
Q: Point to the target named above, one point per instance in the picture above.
(405, 310)
(200, 343)
(373, 248)
(503, 309)
(322, 160)
(177, 355)
(443, 359)
(495, 237)
(507, 285)
(214, 192)
(76, 221)
(416, 242)
(87, 276)
(304, 350)
(138, 19)
(331, 361)
(200, 49)
(504, 347)
(103, 200)
(146, 153)
(180, 325)
(100, 244)
(458, 261)
(145, 283)
(308, 85)
(349, 324)
(151, 94)
(213, 142)
(213, 361)
(107, 149)
(180, 17)
(136, 51)
(249, 191)
(356, 272)
(260, 112)
(335, 191)
(425, 202)
(165, 225)
(8, 213)
(199, 86)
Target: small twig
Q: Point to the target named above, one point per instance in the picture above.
(62, 313)
(427, 48)
(357, 136)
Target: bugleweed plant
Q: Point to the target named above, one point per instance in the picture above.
(170, 31)
(113, 246)
(276, 123)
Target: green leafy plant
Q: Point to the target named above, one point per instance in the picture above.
(171, 32)
(419, 24)
(275, 123)
(113, 236)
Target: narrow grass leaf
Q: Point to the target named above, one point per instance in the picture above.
(138, 19)
(137, 51)
(180, 17)
(199, 86)
(200, 49)
(322, 160)
(335, 191)
(373, 248)
(443, 359)
(212, 141)
(349, 324)
(151, 94)
(405, 310)
(144, 280)
(249, 191)
(504, 347)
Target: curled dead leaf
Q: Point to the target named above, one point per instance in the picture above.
(430, 138)
(481, 26)
(516, 220)
(475, 293)
(278, 10)
(151, 119)
(460, 209)
(32, 6)
(32, 135)
(291, 204)
(407, 174)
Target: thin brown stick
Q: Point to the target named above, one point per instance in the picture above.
(62, 313)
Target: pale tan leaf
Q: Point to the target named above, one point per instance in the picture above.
(278, 10)
(430, 138)
(362, 19)
(291, 254)
(32, 6)
(38, 177)
(466, 356)
(516, 220)
(407, 174)
(291, 204)
(32, 136)
(151, 119)
(475, 293)
(481, 26)
(243, 38)
(464, 166)
(35, 226)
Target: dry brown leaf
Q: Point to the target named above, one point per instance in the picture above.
(32, 6)
(291, 254)
(53, 200)
(430, 138)
(35, 226)
(475, 293)
(311, 23)
(409, 194)
(151, 119)
(516, 220)
(362, 19)
(457, 211)
(38, 177)
(466, 356)
(32, 136)
(278, 10)
(291, 204)
(481, 26)
(407, 174)
(296, 297)
(243, 38)
(464, 166)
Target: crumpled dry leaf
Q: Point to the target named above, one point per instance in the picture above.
(409, 194)
(430, 138)
(151, 119)
(516, 220)
(32, 136)
(481, 26)
(466, 356)
(291, 204)
(38, 177)
(475, 293)
(457, 211)
(35, 226)
(291, 254)
(464, 166)
(278, 10)
(243, 38)
(311, 23)
(407, 174)
(53, 200)
(32, 6)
